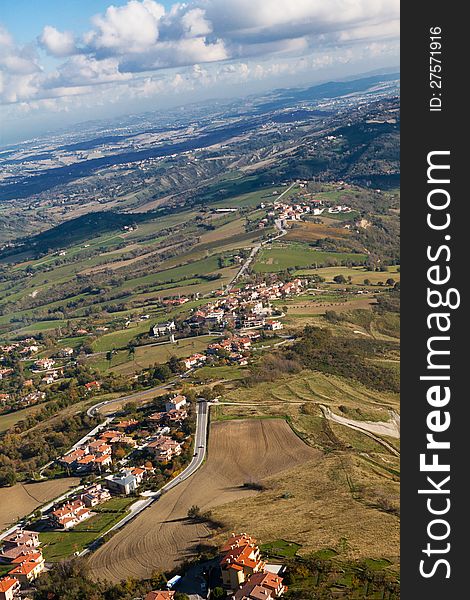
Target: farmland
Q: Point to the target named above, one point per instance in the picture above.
(283, 256)
(356, 480)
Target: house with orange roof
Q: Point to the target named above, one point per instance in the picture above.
(93, 386)
(164, 448)
(174, 416)
(127, 425)
(240, 560)
(9, 588)
(69, 514)
(139, 473)
(28, 570)
(158, 595)
(72, 457)
(261, 586)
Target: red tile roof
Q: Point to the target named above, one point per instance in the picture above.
(7, 583)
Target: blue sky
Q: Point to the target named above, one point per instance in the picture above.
(65, 61)
(26, 18)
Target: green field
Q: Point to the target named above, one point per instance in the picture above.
(279, 257)
(280, 549)
(146, 356)
(225, 373)
(357, 274)
(11, 419)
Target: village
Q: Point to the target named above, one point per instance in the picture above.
(239, 571)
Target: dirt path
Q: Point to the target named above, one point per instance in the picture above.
(373, 429)
(161, 537)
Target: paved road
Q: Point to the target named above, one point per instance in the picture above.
(257, 248)
(200, 449)
(93, 410)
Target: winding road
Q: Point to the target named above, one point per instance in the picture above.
(257, 248)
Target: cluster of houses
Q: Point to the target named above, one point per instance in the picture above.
(24, 348)
(78, 509)
(20, 550)
(95, 455)
(239, 308)
(244, 308)
(245, 574)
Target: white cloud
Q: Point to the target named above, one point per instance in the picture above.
(57, 43)
(129, 28)
(128, 47)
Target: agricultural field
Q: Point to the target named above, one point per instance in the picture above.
(355, 482)
(146, 356)
(281, 256)
(358, 274)
(240, 452)
(307, 231)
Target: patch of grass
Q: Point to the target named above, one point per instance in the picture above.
(226, 373)
(280, 257)
(280, 549)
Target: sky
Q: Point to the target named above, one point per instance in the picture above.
(67, 61)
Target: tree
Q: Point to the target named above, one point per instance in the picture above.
(390, 282)
(339, 279)
(194, 512)
(7, 477)
(175, 364)
(218, 592)
(161, 372)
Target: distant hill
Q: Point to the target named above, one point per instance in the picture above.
(80, 229)
(332, 89)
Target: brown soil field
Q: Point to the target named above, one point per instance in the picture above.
(309, 232)
(20, 500)
(161, 537)
(316, 505)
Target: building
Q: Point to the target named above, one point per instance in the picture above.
(195, 359)
(175, 403)
(93, 386)
(164, 448)
(21, 538)
(273, 325)
(94, 495)
(28, 570)
(9, 588)
(43, 364)
(163, 328)
(158, 595)
(122, 483)
(175, 416)
(69, 514)
(240, 560)
(261, 586)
